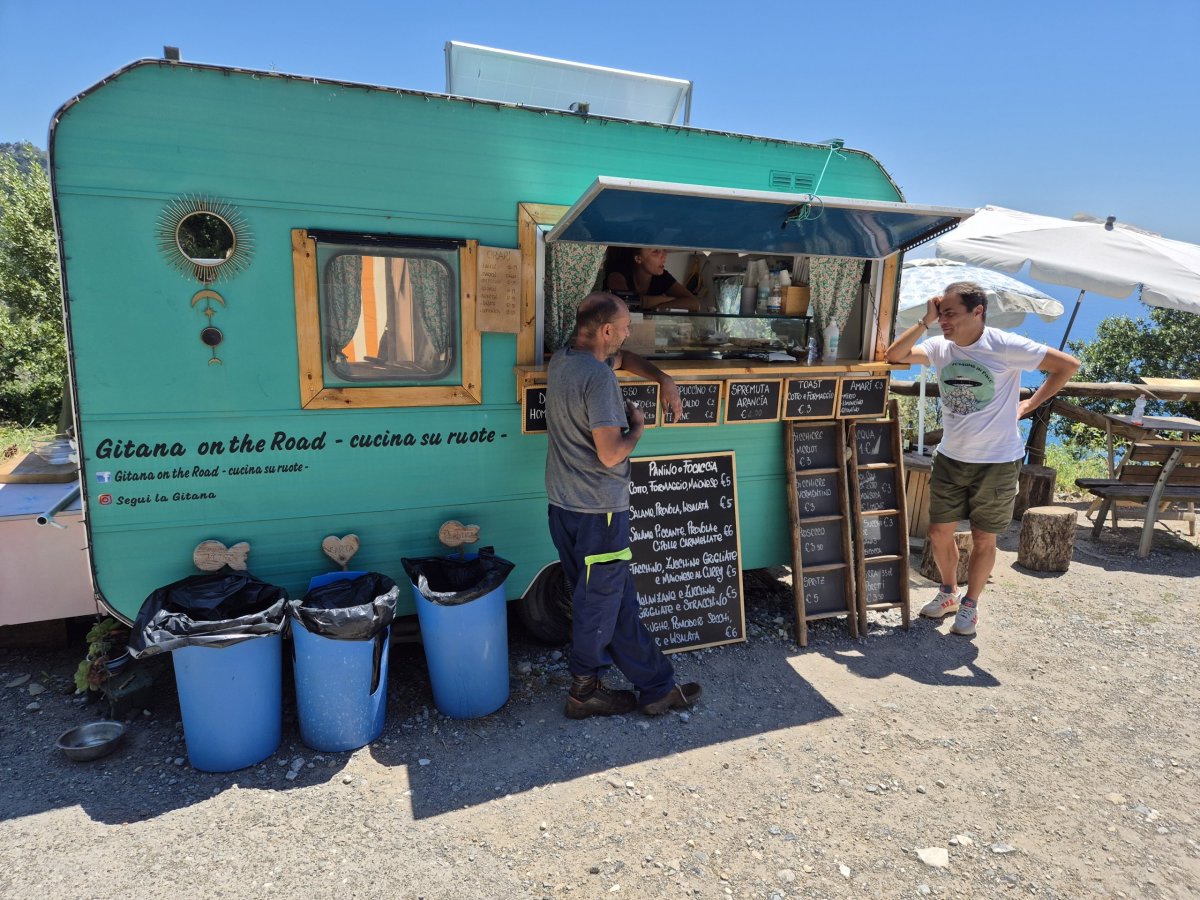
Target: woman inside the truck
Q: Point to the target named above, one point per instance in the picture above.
(642, 271)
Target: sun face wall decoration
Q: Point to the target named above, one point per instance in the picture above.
(205, 239)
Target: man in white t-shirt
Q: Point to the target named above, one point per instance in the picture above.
(976, 467)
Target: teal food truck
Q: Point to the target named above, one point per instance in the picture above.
(299, 308)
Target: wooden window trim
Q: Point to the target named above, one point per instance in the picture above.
(313, 392)
(529, 217)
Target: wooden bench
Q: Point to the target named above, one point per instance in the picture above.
(1153, 473)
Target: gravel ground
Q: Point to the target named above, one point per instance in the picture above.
(1056, 755)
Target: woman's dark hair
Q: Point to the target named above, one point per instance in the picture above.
(971, 295)
(619, 260)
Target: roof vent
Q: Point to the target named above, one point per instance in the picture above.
(796, 182)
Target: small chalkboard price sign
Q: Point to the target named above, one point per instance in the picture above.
(873, 442)
(881, 583)
(822, 570)
(811, 398)
(862, 397)
(701, 404)
(824, 593)
(643, 395)
(753, 401)
(533, 410)
(686, 553)
(877, 490)
(881, 515)
(815, 446)
(821, 542)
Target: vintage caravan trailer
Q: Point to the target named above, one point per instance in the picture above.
(299, 308)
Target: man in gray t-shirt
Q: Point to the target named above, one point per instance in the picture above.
(592, 432)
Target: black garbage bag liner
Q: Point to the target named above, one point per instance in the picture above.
(454, 580)
(213, 609)
(348, 609)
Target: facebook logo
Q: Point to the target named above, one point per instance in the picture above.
(103, 477)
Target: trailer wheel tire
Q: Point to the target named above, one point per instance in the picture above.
(545, 610)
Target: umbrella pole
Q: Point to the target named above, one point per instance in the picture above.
(921, 411)
(1074, 313)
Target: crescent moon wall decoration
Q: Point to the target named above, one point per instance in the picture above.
(204, 238)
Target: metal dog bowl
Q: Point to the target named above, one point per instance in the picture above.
(91, 741)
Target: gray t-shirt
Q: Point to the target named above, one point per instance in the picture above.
(582, 393)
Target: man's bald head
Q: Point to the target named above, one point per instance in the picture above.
(597, 310)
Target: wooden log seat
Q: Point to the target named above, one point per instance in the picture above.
(1036, 488)
(929, 568)
(1047, 540)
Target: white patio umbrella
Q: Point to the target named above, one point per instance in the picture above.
(1103, 256)
(1009, 300)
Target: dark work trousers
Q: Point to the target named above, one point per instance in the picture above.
(606, 629)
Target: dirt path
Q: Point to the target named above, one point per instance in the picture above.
(1056, 755)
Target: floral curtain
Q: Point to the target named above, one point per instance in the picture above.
(834, 284)
(430, 286)
(343, 293)
(571, 271)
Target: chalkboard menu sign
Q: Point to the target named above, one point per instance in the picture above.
(701, 403)
(753, 401)
(643, 395)
(811, 398)
(824, 592)
(686, 556)
(880, 536)
(815, 446)
(873, 441)
(821, 542)
(882, 583)
(862, 397)
(881, 515)
(533, 410)
(822, 577)
(876, 489)
(818, 495)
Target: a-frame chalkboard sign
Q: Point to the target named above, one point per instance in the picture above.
(876, 475)
(823, 571)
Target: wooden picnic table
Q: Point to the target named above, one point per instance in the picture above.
(1151, 427)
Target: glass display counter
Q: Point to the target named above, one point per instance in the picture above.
(687, 335)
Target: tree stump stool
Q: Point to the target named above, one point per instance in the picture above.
(929, 568)
(1035, 488)
(1047, 539)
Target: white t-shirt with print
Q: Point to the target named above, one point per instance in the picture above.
(981, 387)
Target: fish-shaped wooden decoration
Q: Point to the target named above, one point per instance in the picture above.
(340, 549)
(212, 555)
(455, 534)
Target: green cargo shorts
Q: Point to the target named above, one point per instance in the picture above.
(982, 492)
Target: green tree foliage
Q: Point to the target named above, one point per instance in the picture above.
(32, 346)
(1165, 345)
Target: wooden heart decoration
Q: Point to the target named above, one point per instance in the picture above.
(455, 534)
(212, 555)
(340, 549)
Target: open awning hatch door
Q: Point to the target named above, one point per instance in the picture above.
(636, 213)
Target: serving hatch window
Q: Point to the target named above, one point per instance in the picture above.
(383, 321)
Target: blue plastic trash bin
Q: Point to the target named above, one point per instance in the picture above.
(224, 630)
(230, 701)
(341, 685)
(466, 641)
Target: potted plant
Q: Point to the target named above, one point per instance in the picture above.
(106, 655)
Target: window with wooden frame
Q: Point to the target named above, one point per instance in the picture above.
(385, 321)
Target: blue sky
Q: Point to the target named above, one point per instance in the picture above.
(1050, 106)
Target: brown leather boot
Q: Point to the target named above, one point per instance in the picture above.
(590, 697)
(682, 696)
